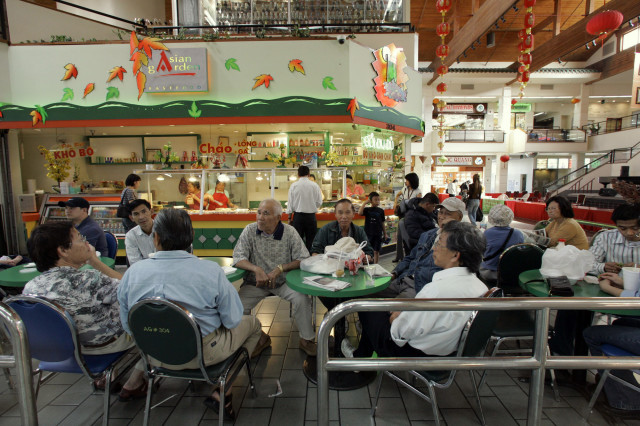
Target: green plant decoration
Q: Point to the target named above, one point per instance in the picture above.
(167, 157)
(230, 64)
(76, 172)
(327, 83)
(67, 94)
(194, 111)
(43, 114)
(112, 92)
(57, 168)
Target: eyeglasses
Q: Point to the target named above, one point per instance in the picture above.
(83, 239)
(551, 209)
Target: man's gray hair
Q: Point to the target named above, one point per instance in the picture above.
(174, 229)
(276, 205)
(467, 240)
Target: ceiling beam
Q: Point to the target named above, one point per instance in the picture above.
(614, 65)
(556, 12)
(575, 36)
(475, 27)
(543, 24)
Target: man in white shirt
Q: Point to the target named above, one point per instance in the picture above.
(459, 253)
(139, 241)
(305, 198)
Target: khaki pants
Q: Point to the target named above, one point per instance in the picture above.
(122, 343)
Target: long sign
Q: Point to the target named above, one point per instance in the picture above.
(478, 161)
(463, 109)
(177, 70)
(377, 147)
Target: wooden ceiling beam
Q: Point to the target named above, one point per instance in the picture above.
(589, 7)
(480, 22)
(575, 36)
(556, 21)
(543, 24)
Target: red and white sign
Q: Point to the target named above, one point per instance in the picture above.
(460, 161)
(463, 109)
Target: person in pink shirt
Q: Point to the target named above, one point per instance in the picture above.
(354, 190)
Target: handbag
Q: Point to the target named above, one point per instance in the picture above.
(401, 209)
(123, 211)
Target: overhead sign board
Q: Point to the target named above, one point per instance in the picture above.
(177, 70)
(478, 161)
(462, 109)
(521, 107)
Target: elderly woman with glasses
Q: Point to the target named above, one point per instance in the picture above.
(563, 226)
(499, 237)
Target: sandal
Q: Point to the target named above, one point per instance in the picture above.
(214, 404)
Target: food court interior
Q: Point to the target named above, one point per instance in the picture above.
(572, 121)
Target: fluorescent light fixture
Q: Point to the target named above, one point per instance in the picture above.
(293, 178)
(192, 178)
(612, 96)
(538, 113)
(223, 177)
(160, 177)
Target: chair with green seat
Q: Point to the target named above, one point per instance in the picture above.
(167, 332)
(473, 342)
(540, 225)
(515, 260)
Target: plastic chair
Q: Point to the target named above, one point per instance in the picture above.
(168, 332)
(473, 342)
(515, 260)
(610, 350)
(540, 225)
(53, 340)
(112, 245)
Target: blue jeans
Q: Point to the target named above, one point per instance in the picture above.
(472, 208)
(626, 336)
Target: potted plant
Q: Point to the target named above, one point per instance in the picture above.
(57, 168)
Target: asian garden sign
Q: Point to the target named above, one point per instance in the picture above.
(177, 70)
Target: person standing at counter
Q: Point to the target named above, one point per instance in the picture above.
(218, 198)
(305, 198)
(128, 195)
(139, 241)
(354, 190)
(77, 211)
(193, 196)
(473, 203)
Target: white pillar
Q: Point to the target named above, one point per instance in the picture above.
(581, 109)
(504, 109)
(577, 160)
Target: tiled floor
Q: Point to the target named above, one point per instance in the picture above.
(67, 399)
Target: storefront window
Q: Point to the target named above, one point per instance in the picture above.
(518, 120)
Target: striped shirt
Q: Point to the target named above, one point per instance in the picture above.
(612, 246)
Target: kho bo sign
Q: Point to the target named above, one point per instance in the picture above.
(377, 148)
(72, 151)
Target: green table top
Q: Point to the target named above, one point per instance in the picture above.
(14, 277)
(533, 282)
(227, 261)
(358, 285)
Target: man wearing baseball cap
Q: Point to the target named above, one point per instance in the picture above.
(77, 211)
(416, 270)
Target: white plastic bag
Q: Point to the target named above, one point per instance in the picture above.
(319, 265)
(568, 260)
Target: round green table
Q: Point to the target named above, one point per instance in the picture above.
(338, 380)
(17, 279)
(227, 261)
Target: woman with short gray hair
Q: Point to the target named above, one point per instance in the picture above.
(500, 236)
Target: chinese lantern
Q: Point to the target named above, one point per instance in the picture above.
(442, 87)
(442, 70)
(525, 59)
(442, 159)
(440, 133)
(435, 101)
(505, 158)
(443, 29)
(440, 145)
(529, 3)
(529, 20)
(575, 101)
(522, 68)
(604, 23)
(441, 119)
(522, 34)
(442, 104)
(443, 6)
(514, 101)
(527, 43)
(524, 77)
(442, 51)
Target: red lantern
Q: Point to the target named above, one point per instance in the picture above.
(525, 59)
(522, 34)
(442, 87)
(529, 3)
(575, 101)
(442, 70)
(443, 29)
(443, 6)
(505, 158)
(529, 20)
(604, 22)
(528, 42)
(524, 77)
(442, 51)
(514, 101)
(522, 68)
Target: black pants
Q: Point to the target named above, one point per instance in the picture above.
(376, 336)
(307, 227)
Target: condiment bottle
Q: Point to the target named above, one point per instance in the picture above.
(561, 244)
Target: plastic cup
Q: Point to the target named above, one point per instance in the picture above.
(631, 278)
(370, 270)
(339, 268)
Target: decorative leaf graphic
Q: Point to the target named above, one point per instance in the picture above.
(353, 106)
(194, 111)
(296, 65)
(327, 83)
(262, 79)
(230, 64)
(88, 89)
(36, 117)
(149, 43)
(133, 42)
(0, 114)
(139, 59)
(68, 94)
(141, 80)
(72, 71)
(116, 72)
(42, 113)
(112, 92)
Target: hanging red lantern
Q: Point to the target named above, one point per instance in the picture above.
(604, 23)
(522, 68)
(505, 158)
(525, 59)
(529, 20)
(528, 42)
(529, 3)
(522, 34)
(442, 51)
(443, 29)
(514, 101)
(524, 77)
(442, 70)
(575, 101)
(443, 6)
(442, 87)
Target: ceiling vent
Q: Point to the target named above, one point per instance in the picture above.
(546, 87)
(467, 87)
(608, 48)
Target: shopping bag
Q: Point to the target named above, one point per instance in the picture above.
(567, 261)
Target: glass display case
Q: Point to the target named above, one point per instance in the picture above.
(107, 218)
(54, 213)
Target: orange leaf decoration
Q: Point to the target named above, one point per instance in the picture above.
(0, 114)
(296, 65)
(139, 59)
(149, 43)
(133, 42)
(116, 72)
(37, 118)
(88, 89)
(262, 79)
(72, 71)
(141, 80)
(353, 106)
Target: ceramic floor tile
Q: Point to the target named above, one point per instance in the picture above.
(293, 383)
(288, 411)
(279, 345)
(358, 398)
(580, 404)
(390, 411)
(7, 402)
(389, 388)
(495, 412)
(563, 416)
(157, 416)
(294, 359)
(269, 366)
(54, 414)
(265, 319)
(355, 417)
(417, 408)
(86, 413)
(514, 398)
(280, 328)
(264, 388)
(189, 411)
(75, 394)
(312, 405)
(65, 379)
(253, 417)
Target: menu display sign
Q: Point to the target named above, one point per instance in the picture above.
(478, 161)
(462, 109)
(377, 147)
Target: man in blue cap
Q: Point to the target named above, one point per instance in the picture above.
(77, 211)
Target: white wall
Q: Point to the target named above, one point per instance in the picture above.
(5, 81)
(519, 167)
(609, 141)
(600, 112)
(126, 9)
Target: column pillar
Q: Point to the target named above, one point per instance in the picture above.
(504, 109)
(581, 109)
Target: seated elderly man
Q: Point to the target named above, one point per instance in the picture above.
(198, 285)
(59, 250)
(429, 333)
(499, 237)
(416, 270)
(139, 241)
(268, 249)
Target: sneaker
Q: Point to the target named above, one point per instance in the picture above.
(263, 343)
(347, 348)
(309, 347)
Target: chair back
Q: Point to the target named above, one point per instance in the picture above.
(112, 245)
(515, 260)
(479, 329)
(595, 236)
(540, 225)
(165, 331)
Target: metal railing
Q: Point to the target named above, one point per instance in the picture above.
(613, 125)
(21, 360)
(556, 135)
(538, 362)
(455, 135)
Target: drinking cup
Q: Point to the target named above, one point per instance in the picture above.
(631, 278)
